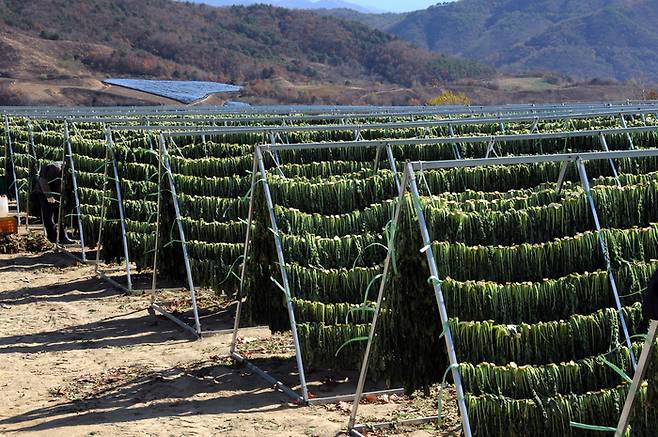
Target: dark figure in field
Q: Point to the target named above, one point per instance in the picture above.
(47, 189)
(650, 301)
(8, 188)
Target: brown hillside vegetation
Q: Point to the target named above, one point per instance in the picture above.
(57, 52)
(162, 38)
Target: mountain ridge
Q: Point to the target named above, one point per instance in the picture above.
(167, 39)
(585, 39)
(294, 4)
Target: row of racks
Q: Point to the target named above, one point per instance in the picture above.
(405, 180)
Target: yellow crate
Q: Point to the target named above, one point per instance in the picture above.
(8, 225)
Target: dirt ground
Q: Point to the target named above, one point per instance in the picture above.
(79, 358)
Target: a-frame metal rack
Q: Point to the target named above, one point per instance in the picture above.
(259, 167)
(409, 183)
(165, 177)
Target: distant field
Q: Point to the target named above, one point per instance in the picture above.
(536, 84)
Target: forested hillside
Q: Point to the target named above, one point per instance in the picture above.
(167, 39)
(584, 39)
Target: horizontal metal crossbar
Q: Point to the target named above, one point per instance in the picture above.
(459, 140)
(288, 108)
(196, 130)
(531, 159)
(350, 397)
(288, 111)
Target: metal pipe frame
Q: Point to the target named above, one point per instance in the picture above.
(378, 156)
(450, 122)
(393, 167)
(284, 273)
(158, 309)
(358, 128)
(259, 167)
(495, 112)
(455, 148)
(101, 225)
(60, 211)
(282, 110)
(111, 158)
(122, 219)
(181, 231)
(461, 140)
(69, 152)
(410, 170)
(163, 164)
(388, 144)
(440, 301)
(64, 250)
(470, 139)
(606, 111)
(584, 180)
(624, 125)
(531, 159)
(276, 384)
(409, 182)
(561, 176)
(378, 306)
(33, 153)
(563, 158)
(245, 256)
(645, 357)
(604, 146)
(156, 249)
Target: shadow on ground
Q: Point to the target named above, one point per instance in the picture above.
(204, 388)
(87, 288)
(214, 315)
(28, 262)
(213, 387)
(113, 332)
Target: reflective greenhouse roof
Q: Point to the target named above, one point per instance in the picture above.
(180, 90)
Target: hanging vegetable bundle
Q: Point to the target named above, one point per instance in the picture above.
(330, 346)
(331, 285)
(546, 300)
(369, 219)
(333, 196)
(618, 208)
(348, 251)
(499, 416)
(527, 381)
(534, 262)
(540, 343)
(332, 313)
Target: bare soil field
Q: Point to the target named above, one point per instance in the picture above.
(79, 358)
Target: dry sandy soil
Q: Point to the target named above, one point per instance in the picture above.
(79, 358)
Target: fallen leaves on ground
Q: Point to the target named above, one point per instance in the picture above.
(33, 243)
